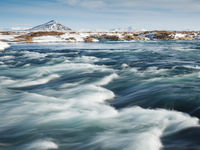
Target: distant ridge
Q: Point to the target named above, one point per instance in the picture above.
(50, 26)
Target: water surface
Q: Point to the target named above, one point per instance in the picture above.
(100, 96)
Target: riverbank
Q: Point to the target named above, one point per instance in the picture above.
(73, 36)
(3, 45)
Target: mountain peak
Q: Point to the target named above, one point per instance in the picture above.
(52, 25)
(52, 21)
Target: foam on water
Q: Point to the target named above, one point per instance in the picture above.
(130, 128)
(34, 55)
(192, 67)
(124, 65)
(75, 66)
(141, 129)
(42, 145)
(107, 79)
(89, 59)
(148, 71)
(37, 82)
(6, 57)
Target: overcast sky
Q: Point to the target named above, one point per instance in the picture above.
(103, 14)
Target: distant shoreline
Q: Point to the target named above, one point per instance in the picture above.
(94, 36)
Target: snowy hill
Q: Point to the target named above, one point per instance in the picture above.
(50, 26)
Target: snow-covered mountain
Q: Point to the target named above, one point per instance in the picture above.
(127, 29)
(50, 26)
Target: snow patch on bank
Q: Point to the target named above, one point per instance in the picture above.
(179, 35)
(4, 45)
(47, 39)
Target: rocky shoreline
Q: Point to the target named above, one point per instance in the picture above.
(72, 36)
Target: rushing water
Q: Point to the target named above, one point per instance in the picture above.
(100, 96)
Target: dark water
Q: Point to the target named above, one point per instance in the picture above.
(100, 96)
